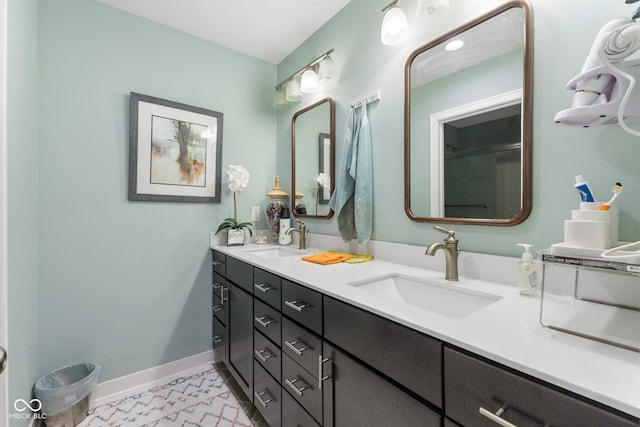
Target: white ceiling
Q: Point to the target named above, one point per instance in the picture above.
(267, 30)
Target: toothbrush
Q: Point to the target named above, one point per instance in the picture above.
(617, 189)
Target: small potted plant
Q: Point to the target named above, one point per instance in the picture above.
(238, 178)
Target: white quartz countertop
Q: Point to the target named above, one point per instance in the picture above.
(507, 331)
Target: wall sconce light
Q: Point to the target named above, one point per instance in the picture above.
(395, 27)
(430, 7)
(321, 68)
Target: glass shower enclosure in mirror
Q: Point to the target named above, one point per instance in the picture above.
(312, 159)
(468, 130)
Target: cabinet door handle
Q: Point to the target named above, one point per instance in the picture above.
(298, 351)
(263, 287)
(260, 354)
(297, 305)
(263, 402)
(496, 417)
(222, 289)
(264, 321)
(217, 339)
(217, 263)
(292, 385)
(321, 378)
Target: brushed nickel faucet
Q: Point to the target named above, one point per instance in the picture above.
(302, 233)
(451, 251)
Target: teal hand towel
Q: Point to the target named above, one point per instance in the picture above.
(362, 172)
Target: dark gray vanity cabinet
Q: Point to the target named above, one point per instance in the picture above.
(218, 308)
(481, 393)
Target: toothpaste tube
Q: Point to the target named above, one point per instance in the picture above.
(583, 188)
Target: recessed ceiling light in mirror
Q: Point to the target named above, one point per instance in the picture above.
(454, 45)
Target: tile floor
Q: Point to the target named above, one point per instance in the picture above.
(205, 396)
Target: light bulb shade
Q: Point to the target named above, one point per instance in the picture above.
(327, 70)
(279, 98)
(395, 27)
(309, 82)
(430, 7)
(293, 93)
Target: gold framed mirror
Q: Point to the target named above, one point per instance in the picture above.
(468, 122)
(313, 159)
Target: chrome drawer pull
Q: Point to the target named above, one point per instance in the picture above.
(217, 263)
(298, 351)
(297, 305)
(264, 321)
(263, 287)
(217, 339)
(263, 402)
(496, 417)
(263, 358)
(217, 308)
(292, 385)
(217, 285)
(321, 379)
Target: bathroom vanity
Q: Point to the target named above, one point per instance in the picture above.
(316, 345)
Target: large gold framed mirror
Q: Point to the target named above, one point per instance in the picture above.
(468, 122)
(313, 159)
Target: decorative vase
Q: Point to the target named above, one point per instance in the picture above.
(235, 237)
(299, 208)
(277, 201)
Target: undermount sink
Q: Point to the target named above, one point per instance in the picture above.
(271, 253)
(429, 295)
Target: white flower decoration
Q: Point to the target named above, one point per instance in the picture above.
(323, 180)
(238, 178)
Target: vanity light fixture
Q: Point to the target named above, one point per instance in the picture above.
(430, 7)
(395, 27)
(321, 68)
(454, 45)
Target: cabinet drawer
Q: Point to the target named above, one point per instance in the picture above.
(218, 307)
(219, 340)
(471, 384)
(302, 305)
(301, 345)
(267, 287)
(266, 320)
(267, 354)
(267, 396)
(240, 273)
(218, 284)
(408, 356)
(218, 262)
(302, 387)
(293, 415)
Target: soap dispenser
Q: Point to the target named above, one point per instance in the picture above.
(285, 223)
(527, 272)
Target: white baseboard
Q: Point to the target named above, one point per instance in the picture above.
(111, 389)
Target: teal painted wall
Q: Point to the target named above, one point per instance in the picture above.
(22, 151)
(127, 284)
(604, 154)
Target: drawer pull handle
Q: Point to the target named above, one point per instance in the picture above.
(298, 351)
(321, 378)
(217, 285)
(263, 402)
(264, 321)
(217, 339)
(292, 385)
(222, 289)
(217, 308)
(217, 263)
(496, 417)
(260, 354)
(297, 305)
(263, 287)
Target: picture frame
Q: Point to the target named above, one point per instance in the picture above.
(175, 151)
(325, 165)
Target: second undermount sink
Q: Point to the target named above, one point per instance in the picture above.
(271, 253)
(429, 295)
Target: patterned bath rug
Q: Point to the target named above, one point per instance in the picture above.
(195, 398)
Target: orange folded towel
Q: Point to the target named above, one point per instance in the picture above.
(327, 258)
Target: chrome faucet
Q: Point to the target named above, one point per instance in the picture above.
(302, 234)
(451, 251)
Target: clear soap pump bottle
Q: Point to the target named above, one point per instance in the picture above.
(527, 272)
